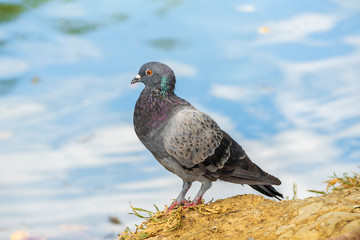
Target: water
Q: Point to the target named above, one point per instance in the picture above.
(281, 77)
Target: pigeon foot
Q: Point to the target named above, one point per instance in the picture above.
(175, 204)
(194, 203)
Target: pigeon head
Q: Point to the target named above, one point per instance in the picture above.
(156, 76)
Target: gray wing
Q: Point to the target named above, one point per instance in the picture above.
(195, 140)
(191, 136)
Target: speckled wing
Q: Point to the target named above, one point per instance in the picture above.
(191, 136)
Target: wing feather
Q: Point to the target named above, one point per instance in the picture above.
(195, 140)
(191, 136)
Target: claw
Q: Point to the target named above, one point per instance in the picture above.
(175, 204)
(186, 204)
(194, 203)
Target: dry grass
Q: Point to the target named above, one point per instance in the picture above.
(336, 183)
(160, 221)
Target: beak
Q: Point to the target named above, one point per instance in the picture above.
(136, 79)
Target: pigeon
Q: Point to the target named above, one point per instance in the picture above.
(188, 142)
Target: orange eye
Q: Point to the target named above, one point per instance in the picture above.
(148, 72)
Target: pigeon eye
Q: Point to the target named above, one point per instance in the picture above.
(148, 72)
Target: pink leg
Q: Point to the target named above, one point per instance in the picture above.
(196, 202)
(181, 198)
(198, 199)
(175, 204)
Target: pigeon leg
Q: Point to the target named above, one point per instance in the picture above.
(198, 198)
(181, 198)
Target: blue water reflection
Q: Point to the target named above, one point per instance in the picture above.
(281, 77)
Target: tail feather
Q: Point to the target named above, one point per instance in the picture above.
(267, 190)
(230, 163)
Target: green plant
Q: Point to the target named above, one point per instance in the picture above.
(336, 183)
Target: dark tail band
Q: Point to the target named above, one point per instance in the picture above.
(267, 190)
